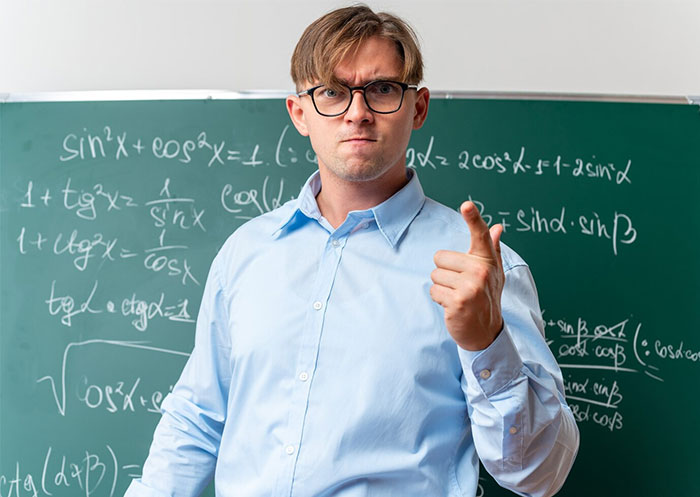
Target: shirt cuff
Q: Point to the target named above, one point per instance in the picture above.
(494, 367)
(138, 489)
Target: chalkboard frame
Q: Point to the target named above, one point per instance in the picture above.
(124, 95)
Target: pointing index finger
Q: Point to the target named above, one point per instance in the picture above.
(481, 244)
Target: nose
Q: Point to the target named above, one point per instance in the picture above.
(358, 111)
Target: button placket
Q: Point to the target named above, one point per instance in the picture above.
(308, 355)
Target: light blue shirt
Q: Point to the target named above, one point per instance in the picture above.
(322, 367)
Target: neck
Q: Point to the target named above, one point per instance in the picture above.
(338, 197)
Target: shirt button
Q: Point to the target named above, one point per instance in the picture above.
(485, 374)
(303, 376)
(335, 243)
(318, 305)
(513, 430)
(289, 449)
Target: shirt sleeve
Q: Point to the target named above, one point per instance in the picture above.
(523, 429)
(185, 446)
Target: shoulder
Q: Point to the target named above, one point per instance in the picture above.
(450, 228)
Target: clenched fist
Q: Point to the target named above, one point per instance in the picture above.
(469, 286)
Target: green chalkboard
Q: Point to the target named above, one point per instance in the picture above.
(111, 213)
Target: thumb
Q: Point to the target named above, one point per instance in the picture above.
(496, 231)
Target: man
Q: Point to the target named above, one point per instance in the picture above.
(363, 340)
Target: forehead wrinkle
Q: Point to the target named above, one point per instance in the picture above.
(380, 77)
(348, 73)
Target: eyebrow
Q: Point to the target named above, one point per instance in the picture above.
(377, 78)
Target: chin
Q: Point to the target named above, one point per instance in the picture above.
(359, 170)
(363, 173)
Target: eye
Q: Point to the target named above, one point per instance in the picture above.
(329, 93)
(383, 89)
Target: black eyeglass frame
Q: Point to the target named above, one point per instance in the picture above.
(353, 89)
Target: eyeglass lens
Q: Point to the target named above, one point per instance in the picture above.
(380, 96)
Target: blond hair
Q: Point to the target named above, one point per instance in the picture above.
(327, 41)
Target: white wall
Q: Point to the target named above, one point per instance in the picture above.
(639, 47)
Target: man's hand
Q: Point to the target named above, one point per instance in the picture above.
(469, 285)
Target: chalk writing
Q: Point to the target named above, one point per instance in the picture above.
(586, 351)
(165, 216)
(142, 311)
(59, 390)
(600, 347)
(617, 227)
(425, 159)
(262, 201)
(119, 397)
(84, 203)
(106, 144)
(84, 249)
(81, 474)
(518, 164)
(675, 352)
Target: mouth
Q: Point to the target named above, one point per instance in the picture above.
(358, 139)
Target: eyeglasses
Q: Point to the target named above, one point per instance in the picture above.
(382, 97)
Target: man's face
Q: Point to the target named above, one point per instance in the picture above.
(361, 145)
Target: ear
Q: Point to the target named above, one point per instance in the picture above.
(421, 107)
(297, 114)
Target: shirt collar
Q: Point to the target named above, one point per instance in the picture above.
(392, 216)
